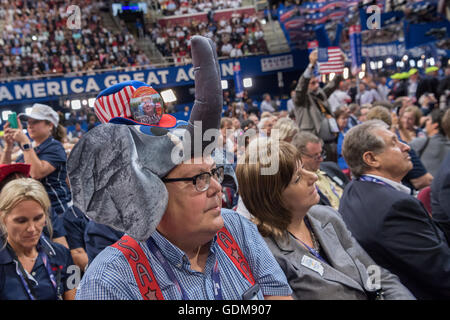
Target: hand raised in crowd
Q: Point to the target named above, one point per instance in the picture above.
(15, 135)
(313, 57)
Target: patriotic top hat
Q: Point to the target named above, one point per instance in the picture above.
(132, 102)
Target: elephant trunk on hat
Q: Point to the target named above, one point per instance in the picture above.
(115, 170)
(208, 103)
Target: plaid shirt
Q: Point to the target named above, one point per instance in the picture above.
(110, 276)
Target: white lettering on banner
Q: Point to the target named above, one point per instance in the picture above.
(64, 87)
(139, 76)
(53, 89)
(92, 85)
(39, 90)
(5, 94)
(227, 69)
(124, 77)
(20, 92)
(277, 63)
(163, 74)
(109, 81)
(181, 76)
(74, 87)
(191, 73)
(152, 78)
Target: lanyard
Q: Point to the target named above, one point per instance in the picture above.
(311, 250)
(25, 280)
(160, 257)
(375, 180)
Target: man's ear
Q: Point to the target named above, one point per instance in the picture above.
(371, 159)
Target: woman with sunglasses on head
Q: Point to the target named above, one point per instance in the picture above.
(46, 156)
(31, 266)
(311, 243)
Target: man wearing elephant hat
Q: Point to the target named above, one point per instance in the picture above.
(178, 242)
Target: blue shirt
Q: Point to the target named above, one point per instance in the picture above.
(11, 287)
(75, 224)
(53, 152)
(110, 276)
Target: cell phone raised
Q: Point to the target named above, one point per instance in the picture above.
(12, 119)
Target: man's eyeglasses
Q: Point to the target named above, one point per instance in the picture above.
(203, 180)
(317, 157)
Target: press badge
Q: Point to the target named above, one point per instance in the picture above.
(312, 264)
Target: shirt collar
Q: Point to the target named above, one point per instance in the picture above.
(394, 184)
(172, 253)
(43, 244)
(45, 143)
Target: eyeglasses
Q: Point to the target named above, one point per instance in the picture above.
(317, 157)
(201, 181)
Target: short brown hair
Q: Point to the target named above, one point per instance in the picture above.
(262, 194)
(380, 113)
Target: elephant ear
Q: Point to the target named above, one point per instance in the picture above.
(112, 185)
(208, 104)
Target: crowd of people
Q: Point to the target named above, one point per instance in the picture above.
(310, 229)
(238, 36)
(179, 7)
(36, 40)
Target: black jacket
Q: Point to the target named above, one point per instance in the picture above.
(397, 232)
(440, 197)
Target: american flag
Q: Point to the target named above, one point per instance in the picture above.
(330, 60)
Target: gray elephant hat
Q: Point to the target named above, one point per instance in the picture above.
(115, 169)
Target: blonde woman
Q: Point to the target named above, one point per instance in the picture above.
(31, 266)
(287, 129)
(311, 243)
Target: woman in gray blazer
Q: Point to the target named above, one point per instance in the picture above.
(311, 243)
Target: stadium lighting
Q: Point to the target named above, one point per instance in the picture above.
(389, 61)
(224, 84)
(28, 110)
(412, 63)
(168, 96)
(75, 104)
(5, 114)
(91, 102)
(248, 82)
(405, 57)
(84, 102)
(346, 73)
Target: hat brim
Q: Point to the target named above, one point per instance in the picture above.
(25, 117)
(7, 169)
(167, 121)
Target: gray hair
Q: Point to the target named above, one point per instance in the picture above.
(360, 139)
(301, 139)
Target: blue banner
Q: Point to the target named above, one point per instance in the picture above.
(417, 34)
(17, 92)
(356, 47)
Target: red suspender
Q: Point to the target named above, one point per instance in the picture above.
(146, 281)
(231, 248)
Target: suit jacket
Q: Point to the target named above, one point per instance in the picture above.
(346, 277)
(307, 112)
(397, 232)
(440, 197)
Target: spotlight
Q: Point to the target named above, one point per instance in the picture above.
(168, 96)
(389, 61)
(224, 84)
(248, 82)
(75, 104)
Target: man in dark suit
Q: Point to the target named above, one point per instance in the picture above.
(440, 197)
(389, 223)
